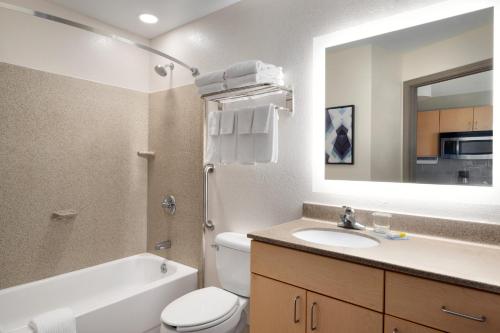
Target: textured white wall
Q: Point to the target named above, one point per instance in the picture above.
(52, 47)
(469, 47)
(245, 198)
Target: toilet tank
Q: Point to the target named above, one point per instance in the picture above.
(233, 262)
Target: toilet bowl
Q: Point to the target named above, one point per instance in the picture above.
(213, 309)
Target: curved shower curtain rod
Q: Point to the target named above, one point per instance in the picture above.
(28, 11)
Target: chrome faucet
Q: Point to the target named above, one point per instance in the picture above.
(348, 219)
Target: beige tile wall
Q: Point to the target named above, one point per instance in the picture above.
(67, 143)
(176, 135)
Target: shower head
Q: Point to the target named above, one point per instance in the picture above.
(162, 69)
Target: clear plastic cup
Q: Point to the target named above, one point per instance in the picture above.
(381, 222)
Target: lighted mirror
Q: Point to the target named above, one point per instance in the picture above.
(413, 105)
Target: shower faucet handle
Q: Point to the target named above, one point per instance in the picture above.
(169, 204)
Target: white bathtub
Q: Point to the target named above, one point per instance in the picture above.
(122, 296)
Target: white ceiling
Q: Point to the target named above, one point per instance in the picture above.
(415, 37)
(124, 14)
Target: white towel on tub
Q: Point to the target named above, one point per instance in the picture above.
(57, 321)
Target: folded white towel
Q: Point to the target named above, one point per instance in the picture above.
(211, 88)
(209, 78)
(245, 150)
(57, 321)
(228, 137)
(247, 67)
(271, 76)
(265, 132)
(212, 154)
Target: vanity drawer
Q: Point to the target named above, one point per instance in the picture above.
(422, 301)
(396, 325)
(346, 281)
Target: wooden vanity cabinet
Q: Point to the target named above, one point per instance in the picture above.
(441, 305)
(396, 325)
(276, 306)
(294, 291)
(279, 307)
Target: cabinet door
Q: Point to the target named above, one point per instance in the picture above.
(327, 315)
(276, 307)
(456, 120)
(428, 133)
(483, 118)
(395, 325)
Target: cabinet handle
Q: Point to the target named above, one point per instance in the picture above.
(296, 318)
(461, 315)
(395, 330)
(314, 325)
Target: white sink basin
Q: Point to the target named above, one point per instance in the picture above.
(336, 238)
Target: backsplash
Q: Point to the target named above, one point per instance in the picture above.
(446, 172)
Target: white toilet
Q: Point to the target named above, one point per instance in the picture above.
(211, 309)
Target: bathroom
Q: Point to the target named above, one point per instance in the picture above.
(117, 215)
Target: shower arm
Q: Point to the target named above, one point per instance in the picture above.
(194, 71)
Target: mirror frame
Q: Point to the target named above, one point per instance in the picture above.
(438, 193)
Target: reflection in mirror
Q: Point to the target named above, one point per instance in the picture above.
(413, 105)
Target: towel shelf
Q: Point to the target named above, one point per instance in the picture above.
(251, 91)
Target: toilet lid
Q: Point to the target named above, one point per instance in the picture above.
(200, 307)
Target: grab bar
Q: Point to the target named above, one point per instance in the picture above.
(207, 224)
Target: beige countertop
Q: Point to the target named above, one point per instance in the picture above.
(458, 262)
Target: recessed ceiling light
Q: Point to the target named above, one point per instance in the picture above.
(148, 18)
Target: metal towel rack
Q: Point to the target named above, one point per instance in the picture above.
(231, 95)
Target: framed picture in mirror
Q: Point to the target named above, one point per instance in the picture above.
(339, 135)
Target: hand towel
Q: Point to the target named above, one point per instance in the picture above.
(211, 88)
(228, 137)
(245, 150)
(212, 153)
(246, 67)
(209, 78)
(272, 76)
(57, 321)
(265, 132)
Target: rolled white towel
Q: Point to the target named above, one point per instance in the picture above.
(211, 88)
(209, 78)
(247, 67)
(57, 321)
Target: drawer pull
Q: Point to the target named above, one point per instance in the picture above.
(458, 314)
(395, 330)
(314, 325)
(296, 318)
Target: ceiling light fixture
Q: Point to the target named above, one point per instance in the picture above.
(148, 18)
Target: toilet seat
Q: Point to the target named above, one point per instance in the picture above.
(200, 309)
